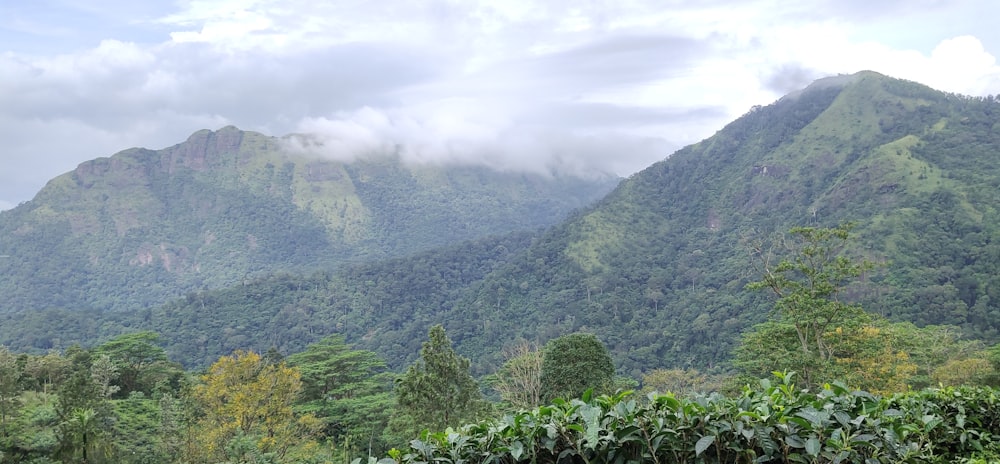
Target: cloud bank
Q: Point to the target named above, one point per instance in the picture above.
(575, 87)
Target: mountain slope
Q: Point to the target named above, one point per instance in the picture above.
(657, 268)
(144, 226)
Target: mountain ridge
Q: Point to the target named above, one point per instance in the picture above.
(657, 268)
(228, 205)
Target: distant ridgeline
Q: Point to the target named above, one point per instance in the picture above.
(656, 269)
(134, 230)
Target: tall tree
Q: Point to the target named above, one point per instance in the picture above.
(573, 364)
(83, 410)
(437, 391)
(85, 436)
(808, 283)
(134, 354)
(46, 372)
(349, 390)
(814, 332)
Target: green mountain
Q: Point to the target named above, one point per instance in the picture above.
(657, 268)
(144, 226)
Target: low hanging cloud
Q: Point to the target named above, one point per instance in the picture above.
(449, 138)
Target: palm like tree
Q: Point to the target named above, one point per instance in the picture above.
(83, 428)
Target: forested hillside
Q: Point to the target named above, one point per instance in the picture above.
(134, 230)
(657, 269)
(385, 307)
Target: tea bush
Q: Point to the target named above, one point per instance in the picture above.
(775, 423)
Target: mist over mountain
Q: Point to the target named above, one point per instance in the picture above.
(657, 268)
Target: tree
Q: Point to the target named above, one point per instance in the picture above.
(10, 390)
(519, 380)
(47, 371)
(173, 429)
(934, 346)
(85, 432)
(815, 333)
(873, 358)
(133, 354)
(103, 371)
(437, 391)
(808, 285)
(244, 396)
(574, 363)
(968, 371)
(84, 412)
(349, 390)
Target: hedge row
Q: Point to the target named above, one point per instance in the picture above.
(776, 423)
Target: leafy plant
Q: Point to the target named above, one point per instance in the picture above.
(777, 422)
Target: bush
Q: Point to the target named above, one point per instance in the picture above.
(774, 423)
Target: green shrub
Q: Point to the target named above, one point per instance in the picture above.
(776, 423)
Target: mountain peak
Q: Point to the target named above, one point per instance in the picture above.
(839, 81)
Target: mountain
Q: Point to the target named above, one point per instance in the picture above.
(657, 268)
(143, 226)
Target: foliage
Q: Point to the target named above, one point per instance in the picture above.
(348, 390)
(872, 358)
(778, 423)
(573, 364)
(437, 391)
(10, 390)
(83, 411)
(814, 331)
(519, 380)
(993, 356)
(242, 396)
(808, 285)
(680, 382)
(33, 434)
(931, 348)
(84, 434)
(135, 355)
(249, 409)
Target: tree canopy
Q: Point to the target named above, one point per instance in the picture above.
(573, 364)
(437, 391)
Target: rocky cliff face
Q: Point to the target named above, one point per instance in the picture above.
(202, 149)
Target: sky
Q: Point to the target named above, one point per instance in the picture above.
(581, 86)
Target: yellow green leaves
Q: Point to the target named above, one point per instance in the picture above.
(244, 396)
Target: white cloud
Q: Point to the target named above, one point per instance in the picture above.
(962, 65)
(515, 84)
